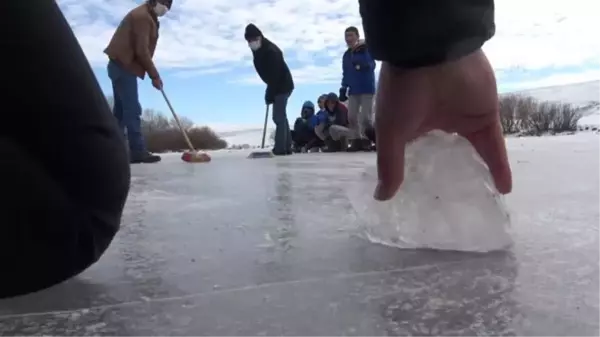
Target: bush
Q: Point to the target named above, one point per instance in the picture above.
(525, 115)
(163, 135)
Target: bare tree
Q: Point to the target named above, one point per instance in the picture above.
(186, 123)
(163, 134)
(154, 121)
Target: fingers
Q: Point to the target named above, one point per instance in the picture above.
(390, 157)
(401, 106)
(490, 144)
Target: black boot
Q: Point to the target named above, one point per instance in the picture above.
(355, 145)
(366, 145)
(144, 158)
(332, 146)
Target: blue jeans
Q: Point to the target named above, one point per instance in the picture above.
(283, 136)
(127, 108)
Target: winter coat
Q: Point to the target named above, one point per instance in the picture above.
(272, 69)
(358, 70)
(339, 115)
(309, 119)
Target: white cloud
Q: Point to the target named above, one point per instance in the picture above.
(199, 36)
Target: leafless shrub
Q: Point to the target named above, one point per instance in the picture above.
(162, 134)
(525, 115)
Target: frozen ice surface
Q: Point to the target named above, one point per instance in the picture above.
(448, 200)
(269, 247)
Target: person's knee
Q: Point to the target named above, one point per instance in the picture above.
(46, 237)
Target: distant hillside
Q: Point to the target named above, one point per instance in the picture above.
(252, 137)
(585, 95)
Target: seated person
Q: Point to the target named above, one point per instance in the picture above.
(303, 134)
(333, 129)
(322, 114)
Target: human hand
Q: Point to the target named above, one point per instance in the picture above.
(269, 99)
(157, 83)
(459, 96)
(343, 94)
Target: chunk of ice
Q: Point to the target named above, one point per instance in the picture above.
(448, 200)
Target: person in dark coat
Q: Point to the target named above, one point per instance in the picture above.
(273, 70)
(303, 135)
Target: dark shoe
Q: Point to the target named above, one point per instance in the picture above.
(355, 145)
(366, 145)
(144, 158)
(282, 153)
(332, 146)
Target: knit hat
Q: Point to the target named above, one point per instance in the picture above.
(252, 32)
(308, 105)
(332, 97)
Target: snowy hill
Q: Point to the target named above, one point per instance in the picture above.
(585, 95)
(251, 136)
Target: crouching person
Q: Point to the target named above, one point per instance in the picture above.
(333, 129)
(303, 136)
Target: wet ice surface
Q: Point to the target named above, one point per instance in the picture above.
(268, 247)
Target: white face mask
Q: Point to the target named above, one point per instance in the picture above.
(160, 9)
(254, 45)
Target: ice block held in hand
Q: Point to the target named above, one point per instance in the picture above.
(448, 200)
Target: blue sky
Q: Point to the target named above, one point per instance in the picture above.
(209, 77)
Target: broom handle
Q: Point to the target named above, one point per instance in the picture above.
(185, 135)
(262, 146)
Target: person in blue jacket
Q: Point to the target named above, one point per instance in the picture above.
(321, 116)
(303, 134)
(358, 87)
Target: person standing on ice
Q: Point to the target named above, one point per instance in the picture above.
(273, 70)
(358, 88)
(130, 53)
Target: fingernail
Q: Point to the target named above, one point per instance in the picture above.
(380, 193)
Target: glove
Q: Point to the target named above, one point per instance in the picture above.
(269, 99)
(343, 96)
